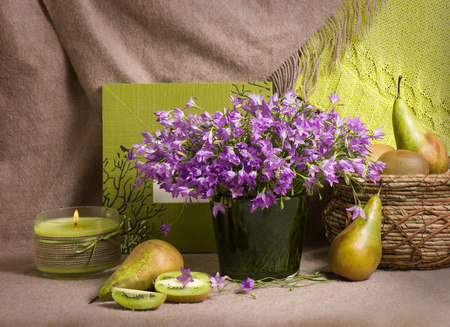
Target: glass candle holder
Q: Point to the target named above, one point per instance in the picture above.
(77, 242)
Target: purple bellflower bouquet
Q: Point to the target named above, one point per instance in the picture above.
(265, 151)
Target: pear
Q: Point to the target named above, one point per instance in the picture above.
(356, 251)
(139, 270)
(410, 134)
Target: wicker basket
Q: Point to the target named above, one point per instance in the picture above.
(416, 215)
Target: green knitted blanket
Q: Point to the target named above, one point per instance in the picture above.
(406, 37)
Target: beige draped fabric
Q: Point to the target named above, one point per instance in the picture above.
(55, 55)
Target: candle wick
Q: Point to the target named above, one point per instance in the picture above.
(75, 223)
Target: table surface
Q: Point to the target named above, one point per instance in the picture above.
(387, 298)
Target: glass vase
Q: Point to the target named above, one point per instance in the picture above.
(265, 243)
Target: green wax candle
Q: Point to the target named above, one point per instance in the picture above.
(84, 245)
(66, 227)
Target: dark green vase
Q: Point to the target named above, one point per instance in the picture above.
(266, 243)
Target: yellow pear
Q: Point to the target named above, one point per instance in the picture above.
(356, 252)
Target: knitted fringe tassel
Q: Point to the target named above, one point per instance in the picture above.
(331, 42)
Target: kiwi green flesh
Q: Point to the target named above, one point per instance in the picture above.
(137, 299)
(195, 291)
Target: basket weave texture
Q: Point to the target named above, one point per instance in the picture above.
(415, 231)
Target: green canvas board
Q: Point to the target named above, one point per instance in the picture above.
(128, 111)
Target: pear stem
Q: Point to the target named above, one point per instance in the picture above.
(398, 85)
(381, 185)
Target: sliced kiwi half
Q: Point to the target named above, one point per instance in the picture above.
(137, 299)
(195, 291)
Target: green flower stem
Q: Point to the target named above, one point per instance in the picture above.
(291, 282)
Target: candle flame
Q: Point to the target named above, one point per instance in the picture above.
(76, 218)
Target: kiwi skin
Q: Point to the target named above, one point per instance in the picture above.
(378, 149)
(188, 299)
(404, 162)
(188, 294)
(136, 299)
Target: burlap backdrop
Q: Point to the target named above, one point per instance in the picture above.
(55, 55)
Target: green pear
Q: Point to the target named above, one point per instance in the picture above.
(139, 270)
(356, 251)
(410, 134)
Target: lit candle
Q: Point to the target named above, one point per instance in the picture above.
(83, 244)
(75, 226)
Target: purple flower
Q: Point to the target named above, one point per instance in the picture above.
(346, 166)
(290, 98)
(131, 155)
(218, 206)
(309, 181)
(261, 149)
(357, 211)
(359, 166)
(191, 103)
(185, 277)
(178, 113)
(202, 155)
(263, 200)
(208, 136)
(162, 114)
(255, 99)
(260, 125)
(237, 102)
(247, 284)
(236, 191)
(374, 170)
(329, 169)
(181, 190)
(378, 134)
(229, 156)
(334, 98)
(138, 182)
(356, 125)
(217, 281)
(165, 228)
